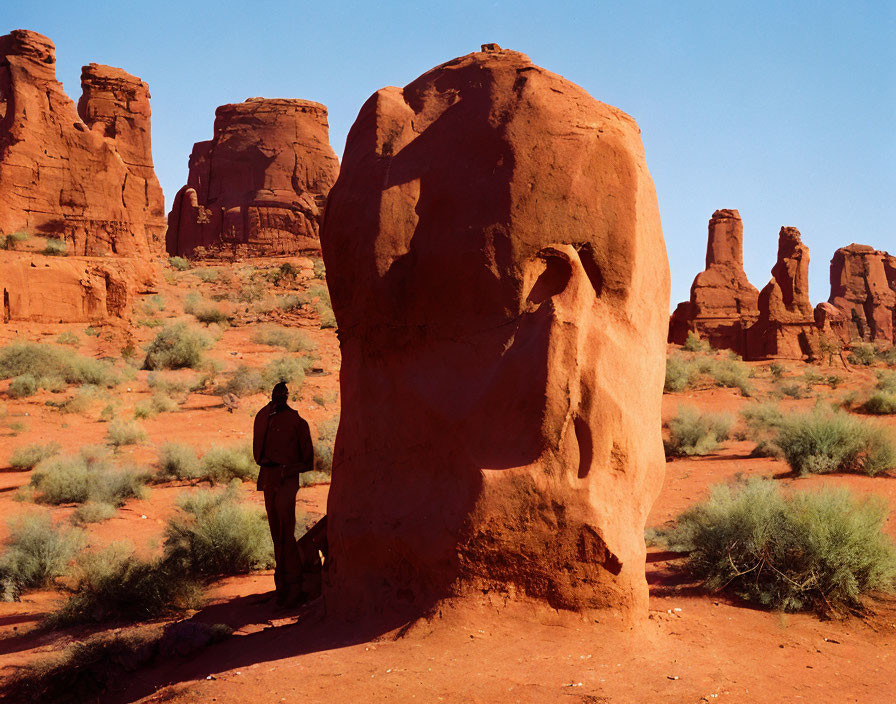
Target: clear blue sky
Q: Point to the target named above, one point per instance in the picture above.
(783, 110)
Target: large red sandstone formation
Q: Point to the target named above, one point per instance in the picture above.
(70, 290)
(259, 186)
(863, 290)
(500, 281)
(723, 302)
(786, 325)
(86, 174)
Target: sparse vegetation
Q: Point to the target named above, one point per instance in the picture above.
(290, 340)
(820, 550)
(323, 449)
(695, 344)
(68, 338)
(207, 276)
(12, 240)
(53, 367)
(763, 420)
(863, 354)
(179, 263)
(205, 311)
(93, 512)
(214, 533)
(121, 433)
(175, 347)
(823, 441)
(323, 306)
(288, 369)
(55, 247)
(159, 403)
(178, 461)
(23, 386)
(244, 381)
(90, 476)
(29, 456)
(36, 553)
(694, 433)
(223, 464)
(687, 372)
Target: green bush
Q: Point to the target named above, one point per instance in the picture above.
(695, 344)
(863, 353)
(159, 403)
(68, 338)
(680, 373)
(176, 347)
(729, 373)
(86, 477)
(323, 306)
(121, 433)
(223, 464)
(880, 403)
(317, 266)
(178, 461)
(29, 456)
(81, 401)
(12, 240)
(288, 369)
(886, 381)
(53, 367)
(207, 275)
(216, 534)
(763, 420)
(244, 381)
(36, 553)
(115, 584)
(23, 386)
(777, 370)
(179, 263)
(290, 340)
(208, 313)
(93, 512)
(695, 433)
(323, 448)
(820, 550)
(797, 391)
(824, 441)
(55, 247)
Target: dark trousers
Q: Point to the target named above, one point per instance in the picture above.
(280, 504)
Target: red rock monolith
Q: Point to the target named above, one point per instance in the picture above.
(863, 287)
(259, 186)
(87, 177)
(500, 282)
(786, 326)
(723, 302)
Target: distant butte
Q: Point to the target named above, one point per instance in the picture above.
(259, 186)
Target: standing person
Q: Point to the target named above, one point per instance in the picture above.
(282, 447)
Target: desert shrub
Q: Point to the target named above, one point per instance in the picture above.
(763, 420)
(680, 373)
(81, 401)
(317, 266)
(93, 512)
(288, 369)
(179, 263)
(290, 340)
(150, 323)
(29, 456)
(777, 370)
(209, 313)
(323, 449)
(695, 433)
(68, 338)
(207, 275)
(23, 386)
(121, 433)
(695, 344)
(824, 441)
(114, 584)
(159, 403)
(250, 292)
(214, 533)
(833, 380)
(727, 372)
(323, 306)
(289, 302)
(863, 353)
(886, 381)
(796, 391)
(880, 403)
(53, 367)
(178, 461)
(86, 477)
(36, 553)
(176, 347)
(223, 464)
(819, 550)
(55, 247)
(12, 240)
(244, 381)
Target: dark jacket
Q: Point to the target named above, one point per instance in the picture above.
(281, 444)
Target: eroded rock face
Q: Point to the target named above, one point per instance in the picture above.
(85, 175)
(786, 325)
(71, 290)
(500, 282)
(259, 186)
(863, 287)
(723, 302)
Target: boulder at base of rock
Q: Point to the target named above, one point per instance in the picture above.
(85, 175)
(500, 283)
(723, 302)
(863, 288)
(70, 290)
(786, 326)
(260, 185)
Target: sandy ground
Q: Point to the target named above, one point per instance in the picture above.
(695, 647)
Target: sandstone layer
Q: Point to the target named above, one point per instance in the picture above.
(84, 174)
(41, 289)
(499, 278)
(786, 326)
(260, 185)
(863, 288)
(723, 303)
